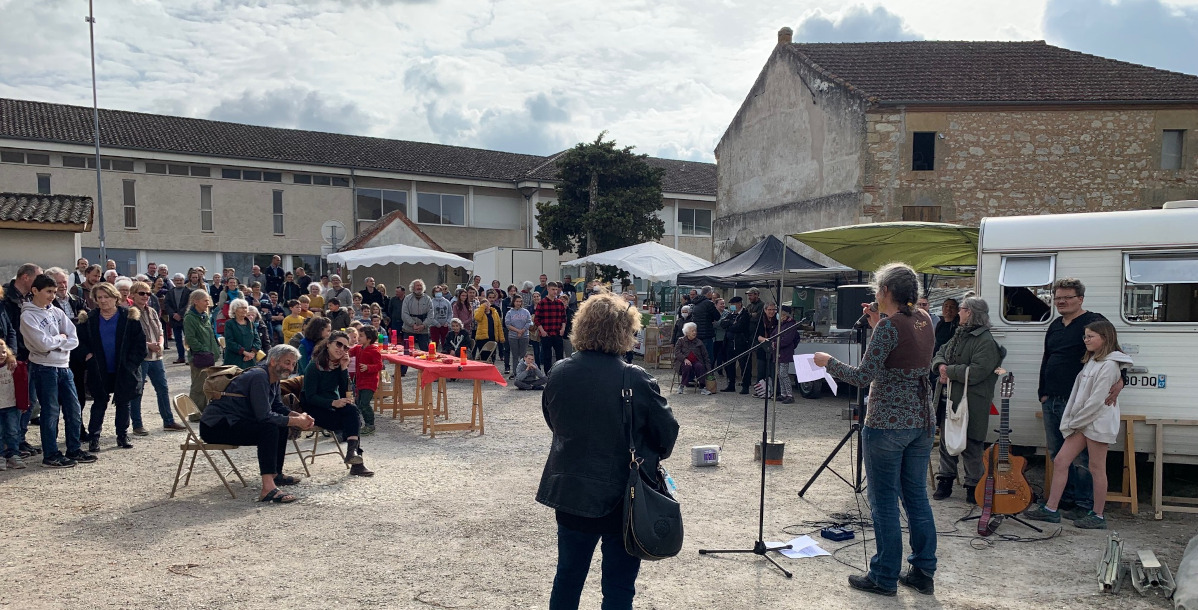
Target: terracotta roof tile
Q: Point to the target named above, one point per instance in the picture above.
(48, 209)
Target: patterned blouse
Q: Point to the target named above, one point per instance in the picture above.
(896, 365)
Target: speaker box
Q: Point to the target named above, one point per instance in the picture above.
(848, 304)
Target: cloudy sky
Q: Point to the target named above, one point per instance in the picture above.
(665, 76)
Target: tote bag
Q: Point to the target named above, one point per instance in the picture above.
(956, 419)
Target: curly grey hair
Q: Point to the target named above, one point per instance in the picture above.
(979, 311)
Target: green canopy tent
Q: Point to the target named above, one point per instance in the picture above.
(932, 248)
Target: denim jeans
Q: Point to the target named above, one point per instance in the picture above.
(55, 388)
(156, 373)
(896, 464)
(1080, 489)
(177, 329)
(10, 431)
(574, 552)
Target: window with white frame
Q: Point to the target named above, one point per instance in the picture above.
(1160, 287)
(43, 184)
(441, 209)
(1172, 147)
(694, 222)
(277, 211)
(130, 204)
(372, 204)
(1027, 288)
(206, 220)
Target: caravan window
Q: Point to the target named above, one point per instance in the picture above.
(1027, 288)
(1160, 287)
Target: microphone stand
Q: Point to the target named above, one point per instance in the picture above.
(858, 482)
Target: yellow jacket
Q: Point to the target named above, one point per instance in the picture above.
(481, 332)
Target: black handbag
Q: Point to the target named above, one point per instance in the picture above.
(652, 517)
(203, 360)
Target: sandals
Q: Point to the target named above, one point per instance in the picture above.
(274, 496)
(285, 479)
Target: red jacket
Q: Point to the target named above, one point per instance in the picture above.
(373, 359)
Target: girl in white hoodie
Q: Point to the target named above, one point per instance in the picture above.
(1088, 423)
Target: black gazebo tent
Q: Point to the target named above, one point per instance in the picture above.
(763, 265)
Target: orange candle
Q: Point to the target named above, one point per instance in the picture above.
(432, 350)
(462, 357)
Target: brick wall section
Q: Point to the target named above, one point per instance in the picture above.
(1002, 163)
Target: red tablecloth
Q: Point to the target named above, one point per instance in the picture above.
(452, 369)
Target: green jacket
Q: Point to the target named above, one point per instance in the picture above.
(972, 349)
(322, 387)
(198, 333)
(240, 337)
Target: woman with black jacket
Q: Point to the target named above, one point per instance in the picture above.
(114, 346)
(587, 470)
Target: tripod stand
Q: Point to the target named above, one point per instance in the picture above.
(858, 483)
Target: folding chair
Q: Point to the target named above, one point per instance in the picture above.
(309, 455)
(185, 407)
(488, 351)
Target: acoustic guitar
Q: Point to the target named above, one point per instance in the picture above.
(1003, 489)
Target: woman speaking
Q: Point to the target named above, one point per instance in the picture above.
(897, 436)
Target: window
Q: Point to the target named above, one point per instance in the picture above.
(373, 204)
(104, 163)
(68, 161)
(234, 174)
(43, 184)
(177, 170)
(1160, 287)
(923, 151)
(155, 168)
(251, 174)
(130, 205)
(122, 165)
(1172, 141)
(1027, 287)
(277, 211)
(201, 172)
(37, 159)
(301, 178)
(206, 209)
(921, 213)
(322, 180)
(337, 181)
(8, 156)
(694, 222)
(272, 177)
(437, 209)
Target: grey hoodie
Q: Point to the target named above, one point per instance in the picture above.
(1087, 411)
(42, 328)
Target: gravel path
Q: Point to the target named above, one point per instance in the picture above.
(451, 523)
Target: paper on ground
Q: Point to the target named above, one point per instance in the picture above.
(800, 547)
(805, 371)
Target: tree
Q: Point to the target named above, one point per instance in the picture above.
(607, 198)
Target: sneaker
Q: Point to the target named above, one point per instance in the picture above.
(140, 431)
(1090, 522)
(705, 392)
(1075, 513)
(35, 421)
(682, 390)
(82, 457)
(788, 400)
(59, 461)
(367, 430)
(919, 580)
(15, 463)
(174, 426)
(1040, 512)
(93, 445)
(944, 489)
(27, 448)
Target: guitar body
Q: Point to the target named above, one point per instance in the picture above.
(1011, 493)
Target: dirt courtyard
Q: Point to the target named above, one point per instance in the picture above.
(452, 522)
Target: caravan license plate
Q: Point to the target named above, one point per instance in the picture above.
(1151, 382)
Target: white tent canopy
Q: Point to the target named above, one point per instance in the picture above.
(650, 261)
(398, 254)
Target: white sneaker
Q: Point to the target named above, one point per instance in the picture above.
(681, 390)
(705, 392)
(15, 462)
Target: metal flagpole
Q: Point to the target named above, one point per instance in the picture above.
(91, 28)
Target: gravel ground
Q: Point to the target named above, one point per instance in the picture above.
(451, 523)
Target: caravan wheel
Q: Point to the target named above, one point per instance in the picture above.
(812, 389)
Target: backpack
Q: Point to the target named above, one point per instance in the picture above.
(219, 378)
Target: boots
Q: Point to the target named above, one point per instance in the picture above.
(969, 497)
(123, 442)
(93, 443)
(352, 455)
(944, 488)
(360, 470)
(919, 580)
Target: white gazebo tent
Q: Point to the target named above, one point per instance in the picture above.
(398, 264)
(650, 261)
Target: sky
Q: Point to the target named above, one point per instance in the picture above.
(664, 76)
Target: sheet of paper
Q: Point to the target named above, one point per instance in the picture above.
(805, 371)
(803, 546)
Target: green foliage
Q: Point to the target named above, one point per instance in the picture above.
(629, 196)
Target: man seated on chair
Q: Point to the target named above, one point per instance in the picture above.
(251, 413)
(326, 397)
(528, 375)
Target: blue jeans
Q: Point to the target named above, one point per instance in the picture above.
(1080, 489)
(10, 431)
(574, 552)
(177, 329)
(55, 389)
(896, 464)
(156, 372)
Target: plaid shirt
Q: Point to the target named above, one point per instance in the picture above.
(550, 315)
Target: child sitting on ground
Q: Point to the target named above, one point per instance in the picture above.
(10, 415)
(529, 376)
(368, 363)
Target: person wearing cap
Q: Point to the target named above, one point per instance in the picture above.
(736, 339)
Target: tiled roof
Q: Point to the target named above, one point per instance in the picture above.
(685, 177)
(376, 227)
(991, 72)
(46, 209)
(45, 122)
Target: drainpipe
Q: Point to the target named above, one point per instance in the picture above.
(674, 223)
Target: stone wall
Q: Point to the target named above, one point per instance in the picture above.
(1006, 163)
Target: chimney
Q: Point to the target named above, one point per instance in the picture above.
(785, 36)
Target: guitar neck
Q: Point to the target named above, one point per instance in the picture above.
(1004, 432)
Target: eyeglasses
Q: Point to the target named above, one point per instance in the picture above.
(142, 293)
(1064, 299)
(340, 345)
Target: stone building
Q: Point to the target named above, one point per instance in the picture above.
(36, 228)
(837, 134)
(187, 192)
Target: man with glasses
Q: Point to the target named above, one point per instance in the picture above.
(1062, 362)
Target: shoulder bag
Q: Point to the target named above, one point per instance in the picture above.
(956, 418)
(652, 517)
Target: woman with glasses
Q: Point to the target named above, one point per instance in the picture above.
(326, 396)
(152, 369)
(115, 346)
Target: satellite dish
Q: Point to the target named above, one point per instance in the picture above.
(333, 232)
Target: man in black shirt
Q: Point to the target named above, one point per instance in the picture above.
(1062, 362)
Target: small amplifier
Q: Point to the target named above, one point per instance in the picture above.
(705, 455)
(837, 533)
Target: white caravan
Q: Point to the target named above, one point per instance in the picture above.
(1140, 270)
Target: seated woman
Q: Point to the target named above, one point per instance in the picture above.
(691, 356)
(251, 413)
(326, 396)
(456, 339)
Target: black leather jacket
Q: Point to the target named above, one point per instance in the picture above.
(704, 315)
(587, 469)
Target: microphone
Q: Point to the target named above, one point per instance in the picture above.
(862, 322)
